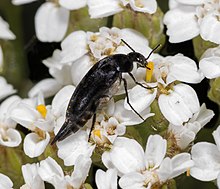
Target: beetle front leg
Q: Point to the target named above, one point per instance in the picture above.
(126, 92)
(138, 82)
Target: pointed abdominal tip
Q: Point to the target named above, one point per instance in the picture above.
(66, 130)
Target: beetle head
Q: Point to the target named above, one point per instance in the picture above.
(139, 58)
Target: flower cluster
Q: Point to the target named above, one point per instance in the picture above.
(123, 142)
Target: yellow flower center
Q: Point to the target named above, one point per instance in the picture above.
(42, 110)
(149, 71)
(97, 133)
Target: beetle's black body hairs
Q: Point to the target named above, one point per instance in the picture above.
(97, 87)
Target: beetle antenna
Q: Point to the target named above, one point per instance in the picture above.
(155, 48)
(127, 45)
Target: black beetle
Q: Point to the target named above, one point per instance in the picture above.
(97, 87)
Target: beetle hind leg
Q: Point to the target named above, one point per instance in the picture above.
(126, 92)
(93, 124)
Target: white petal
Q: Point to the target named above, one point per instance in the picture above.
(136, 40)
(210, 67)
(21, 2)
(79, 68)
(13, 138)
(60, 71)
(155, 150)
(73, 146)
(25, 115)
(72, 4)
(210, 27)
(191, 2)
(61, 100)
(74, 46)
(7, 106)
(34, 146)
(5, 88)
(218, 180)
(5, 32)
(1, 58)
(140, 98)
(106, 180)
(31, 177)
(51, 22)
(6, 182)
(180, 163)
(127, 117)
(180, 105)
(127, 155)
(48, 87)
(81, 171)
(165, 169)
(207, 161)
(50, 171)
(216, 136)
(132, 181)
(147, 6)
(183, 69)
(100, 9)
(181, 24)
(204, 115)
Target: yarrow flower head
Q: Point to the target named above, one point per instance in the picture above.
(191, 18)
(177, 102)
(145, 169)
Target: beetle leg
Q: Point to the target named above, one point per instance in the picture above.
(138, 82)
(126, 92)
(93, 124)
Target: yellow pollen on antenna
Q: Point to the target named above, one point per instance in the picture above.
(149, 71)
(97, 133)
(42, 110)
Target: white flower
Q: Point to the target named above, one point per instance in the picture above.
(138, 168)
(73, 146)
(35, 116)
(59, 70)
(206, 157)
(187, 19)
(100, 9)
(106, 180)
(209, 63)
(51, 22)
(50, 171)
(48, 87)
(9, 136)
(31, 177)
(5, 88)
(176, 68)
(6, 182)
(21, 2)
(112, 122)
(186, 133)
(179, 105)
